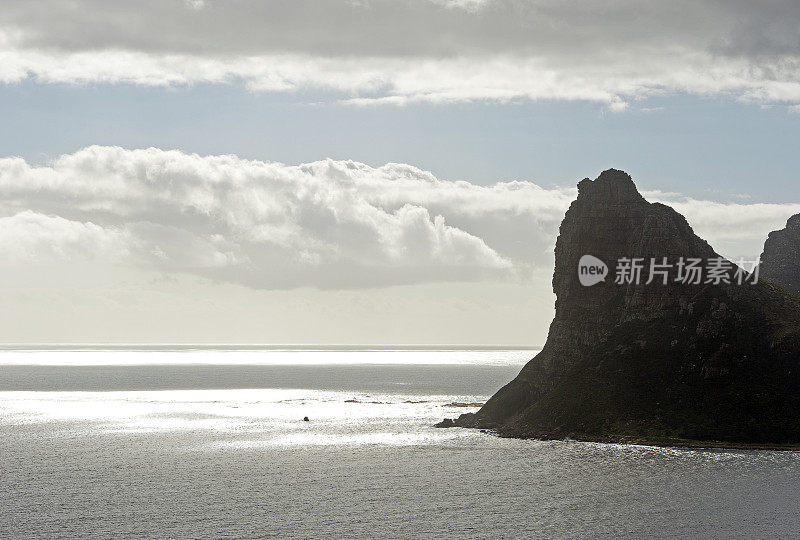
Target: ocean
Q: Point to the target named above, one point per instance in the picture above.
(198, 442)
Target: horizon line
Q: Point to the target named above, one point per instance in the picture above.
(261, 346)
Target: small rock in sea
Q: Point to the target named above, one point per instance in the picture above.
(305, 419)
(447, 422)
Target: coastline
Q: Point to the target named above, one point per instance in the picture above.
(684, 444)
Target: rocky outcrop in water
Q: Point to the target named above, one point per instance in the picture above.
(780, 262)
(667, 361)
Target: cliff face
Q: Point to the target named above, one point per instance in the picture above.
(780, 262)
(628, 361)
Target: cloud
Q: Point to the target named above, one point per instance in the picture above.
(327, 224)
(403, 51)
(31, 237)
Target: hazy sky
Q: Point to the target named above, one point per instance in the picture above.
(364, 171)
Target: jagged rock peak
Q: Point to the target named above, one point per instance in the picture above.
(612, 185)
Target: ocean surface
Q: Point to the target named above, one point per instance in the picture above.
(211, 443)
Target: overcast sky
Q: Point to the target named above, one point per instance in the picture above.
(364, 171)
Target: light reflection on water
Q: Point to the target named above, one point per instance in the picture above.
(275, 415)
(236, 461)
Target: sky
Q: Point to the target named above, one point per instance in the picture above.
(364, 171)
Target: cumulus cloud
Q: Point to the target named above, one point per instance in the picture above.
(401, 51)
(327, 224)
(32, 237)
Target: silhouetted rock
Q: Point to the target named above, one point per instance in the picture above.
(780, 262)
(652, 362)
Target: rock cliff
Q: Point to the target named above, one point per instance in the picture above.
(657, 362)
(780, 262)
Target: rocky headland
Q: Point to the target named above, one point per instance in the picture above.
(673, 361)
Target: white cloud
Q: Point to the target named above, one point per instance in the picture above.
(369, 80)
(401, 51)
(327, 224)
(31, 237)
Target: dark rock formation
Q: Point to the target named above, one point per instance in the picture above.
(652, 362)
(780, 262)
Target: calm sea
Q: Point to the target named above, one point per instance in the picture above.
(211, 443)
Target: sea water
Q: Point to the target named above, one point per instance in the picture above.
(211, 443)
